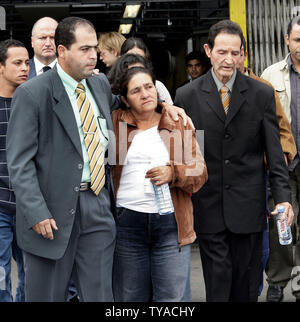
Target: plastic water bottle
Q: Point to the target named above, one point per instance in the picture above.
(163, 199)
(284, 231)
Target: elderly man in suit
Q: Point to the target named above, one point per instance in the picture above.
(237, 114)
(57, 138)
(42, 42)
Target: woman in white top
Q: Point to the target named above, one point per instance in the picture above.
(152, 249)
(134, 45)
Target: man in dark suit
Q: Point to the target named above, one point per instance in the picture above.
(42, 42)
(240, 126)
(64, 224)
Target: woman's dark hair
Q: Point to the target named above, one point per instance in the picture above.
(120, 67)
(126, 76)
(135, 42)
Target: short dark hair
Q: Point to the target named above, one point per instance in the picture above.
(204, 61)
(294, 21)
(244, 44)
(193, 55)
(5, 45)
(126, 76)
(223, 26)
(132, 42)
(65, 31)
(120, 67)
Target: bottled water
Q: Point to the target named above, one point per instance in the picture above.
(163, 199)
(284, 231)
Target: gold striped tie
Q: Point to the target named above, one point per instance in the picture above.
(225, 97)
(91, 140)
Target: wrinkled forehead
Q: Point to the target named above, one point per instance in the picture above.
(44, 31)
(228, 41)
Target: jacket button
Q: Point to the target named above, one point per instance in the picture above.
(227, 136)
(79, 166)
(227, 162)
(72, 211)
(227, 186)
(76, 189)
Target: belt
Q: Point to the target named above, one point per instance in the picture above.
(84, 186)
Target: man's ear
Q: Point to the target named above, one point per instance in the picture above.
(287, 40)
(207, 50)
(61, 50)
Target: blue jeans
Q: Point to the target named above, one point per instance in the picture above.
(9, 249)
(148, 263)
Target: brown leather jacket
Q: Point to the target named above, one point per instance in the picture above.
(187, 177)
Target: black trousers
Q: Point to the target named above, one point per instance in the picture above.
(231, 266)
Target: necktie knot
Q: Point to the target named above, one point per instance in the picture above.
(224, 90)
(46, 68)
(225, 97)
(80, 88)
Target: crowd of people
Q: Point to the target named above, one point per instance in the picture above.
(83, 153)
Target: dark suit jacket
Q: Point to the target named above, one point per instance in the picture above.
(234, 196)
(32, 71)
(45, 158)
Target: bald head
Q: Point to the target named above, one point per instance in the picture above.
(42, 40)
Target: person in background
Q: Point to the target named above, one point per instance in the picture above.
(152, 250)
(109, 46)
(237, 115)
(288, 147)
(196, 64)
(42, 42)
(14, 68)
(137, 46)
(284, 76)
(123, 63)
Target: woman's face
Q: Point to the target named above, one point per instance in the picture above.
(136, 51)
(108, 57)
(141, 94)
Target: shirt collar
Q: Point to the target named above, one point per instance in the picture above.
(219, 84)
(290, 64)
(69, 82)
(39, 66)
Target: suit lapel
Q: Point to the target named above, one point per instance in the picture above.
(32, 71)
(98, 93)
(64, 111)
(237, 99)
(213, 98)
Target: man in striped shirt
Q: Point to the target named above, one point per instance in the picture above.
(14, 68)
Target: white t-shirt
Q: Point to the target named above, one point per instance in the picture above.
(146, 151)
